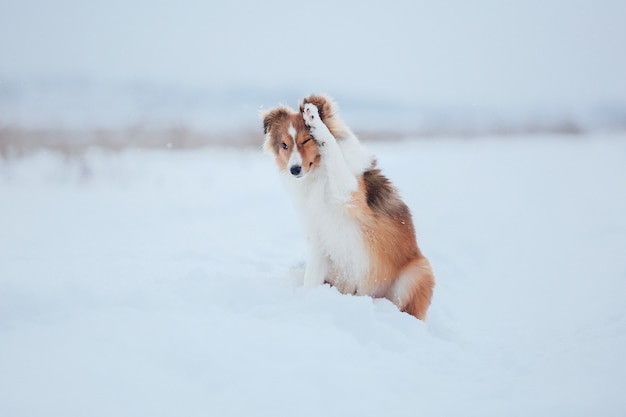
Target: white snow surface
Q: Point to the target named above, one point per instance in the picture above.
(168, 283)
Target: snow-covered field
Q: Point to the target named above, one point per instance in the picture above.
(166, 283)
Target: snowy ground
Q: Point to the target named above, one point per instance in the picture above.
(166, 283)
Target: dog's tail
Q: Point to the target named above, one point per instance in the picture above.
(413, 289)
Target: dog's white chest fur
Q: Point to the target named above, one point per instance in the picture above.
(336, 249)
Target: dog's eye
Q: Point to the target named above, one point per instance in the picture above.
(308, 139)
(284, 145)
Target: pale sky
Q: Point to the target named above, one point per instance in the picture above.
(494, 53)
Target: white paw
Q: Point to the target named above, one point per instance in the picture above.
(311, 115)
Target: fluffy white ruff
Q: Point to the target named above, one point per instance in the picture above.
(335, 241)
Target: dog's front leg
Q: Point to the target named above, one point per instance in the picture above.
(341, 181)
(316, 267)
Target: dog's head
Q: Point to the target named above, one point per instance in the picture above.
(288, 139)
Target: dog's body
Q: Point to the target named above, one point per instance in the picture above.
(360, 234)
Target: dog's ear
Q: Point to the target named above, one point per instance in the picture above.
(271, 117)
(326, 107)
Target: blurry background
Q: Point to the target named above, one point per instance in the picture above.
(189, 72)
(168, 282)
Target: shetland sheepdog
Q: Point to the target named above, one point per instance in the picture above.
(361, 238)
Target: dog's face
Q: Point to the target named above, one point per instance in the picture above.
(288, 138)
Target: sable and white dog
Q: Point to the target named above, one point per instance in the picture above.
(361, 237)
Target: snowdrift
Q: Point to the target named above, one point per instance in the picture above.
(162, 282)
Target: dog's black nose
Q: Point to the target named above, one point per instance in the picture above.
(295, 170)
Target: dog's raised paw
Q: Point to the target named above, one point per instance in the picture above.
(311, 115)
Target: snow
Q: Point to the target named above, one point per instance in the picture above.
(162, 283)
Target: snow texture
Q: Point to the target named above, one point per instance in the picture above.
(169, 283)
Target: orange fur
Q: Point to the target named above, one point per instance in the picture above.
(394, 254)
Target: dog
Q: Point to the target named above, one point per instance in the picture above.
(361, 237)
